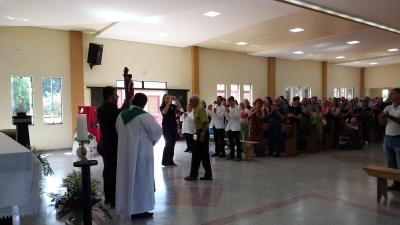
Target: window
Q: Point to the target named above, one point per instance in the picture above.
(221, 90)
(248, 92)
(136, 84)
(288, 93)
(21, 94)
(154, 85)
(297, 91)
(343, 92)
(349, 93)
(235, 91)
(52, 101)
(336, 92)
(307, 92)
(385, 94)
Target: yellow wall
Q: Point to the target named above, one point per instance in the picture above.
(382, 76)
(146, 62)
(301, 72)
(44, 52)
(37, 53)
(223, 67)
(343, 77)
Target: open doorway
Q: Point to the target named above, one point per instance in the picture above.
(154, 99)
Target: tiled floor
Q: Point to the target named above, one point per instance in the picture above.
(318, 189)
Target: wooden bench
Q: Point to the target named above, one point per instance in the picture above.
(291, 142)
(247, 146)
(382, 174)
(308, 138)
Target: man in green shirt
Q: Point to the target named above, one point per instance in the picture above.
(200, 152)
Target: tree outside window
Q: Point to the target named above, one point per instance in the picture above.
(21, 93)
(52, 100)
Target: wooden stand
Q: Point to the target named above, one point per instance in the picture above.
(290, 143)
(86, 189)
(22, 121)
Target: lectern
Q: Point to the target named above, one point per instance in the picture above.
(21, 120)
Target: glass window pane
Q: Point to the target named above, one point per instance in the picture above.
(235, 91)
(221, 90)
(21, 94)
(52, 100)
(287, 93)
(297, 91)
(120, 84)
(155, 85)
(385, 94)
(248, 92)
(307, 92)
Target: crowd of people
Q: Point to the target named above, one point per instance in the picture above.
(348, 120)
(130, 133)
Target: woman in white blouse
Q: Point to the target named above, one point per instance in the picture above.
(188, 128)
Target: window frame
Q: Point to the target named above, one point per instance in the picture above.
(61, 101)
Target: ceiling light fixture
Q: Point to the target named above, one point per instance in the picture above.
(372, 63)
(353, 42)
(241, 43)
(212, 14)
(340, 57)
(307, 5)
(298, 52)
(393, 49)
(296, 30)
(17, 19)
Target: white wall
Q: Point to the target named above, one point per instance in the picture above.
(382, 76)
(223, 67)
(300, 72)
(37, 53)
(343, 77)
(146, 62)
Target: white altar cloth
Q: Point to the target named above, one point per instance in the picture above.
(20, 174)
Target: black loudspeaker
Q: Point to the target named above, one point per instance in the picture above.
(94, 54)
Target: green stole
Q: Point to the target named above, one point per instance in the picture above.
(129, 114)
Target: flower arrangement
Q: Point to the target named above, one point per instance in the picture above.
(68, 203)
(46, 169)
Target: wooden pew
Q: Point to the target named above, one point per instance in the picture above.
(382, 174)
(309, 137)
(328, 137)
(291, 142)
(247, 146)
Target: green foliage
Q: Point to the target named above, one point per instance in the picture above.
(68, 203)
(51, 91)
(46, 169)
(21, 90)
(90, 139)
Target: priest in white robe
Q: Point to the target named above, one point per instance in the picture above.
(138, 132)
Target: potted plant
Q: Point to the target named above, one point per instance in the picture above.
(68, 204)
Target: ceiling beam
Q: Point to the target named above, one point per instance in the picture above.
(339, 14)
(104, 29)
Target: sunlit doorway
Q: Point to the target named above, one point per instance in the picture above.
(154, 96)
